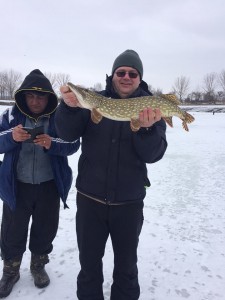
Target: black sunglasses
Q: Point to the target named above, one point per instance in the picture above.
(123, 73)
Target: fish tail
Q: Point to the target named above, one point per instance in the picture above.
(189, 118)
(184, 124)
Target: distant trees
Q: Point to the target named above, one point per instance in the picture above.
(155, 92)
(206, 94)
(9, 81)
(195, 96)
(2, 85)
(221, 80)
(209, 86)
(97, 87)
(63, 79)
(57, 80)
(52, 78)
(181, 87)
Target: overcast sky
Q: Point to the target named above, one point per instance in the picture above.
(82, 38)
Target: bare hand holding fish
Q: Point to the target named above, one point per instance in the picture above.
(69, 97)
(149, 116)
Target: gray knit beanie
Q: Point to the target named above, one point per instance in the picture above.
(128, 58)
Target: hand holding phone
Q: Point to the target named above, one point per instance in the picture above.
(33, 132)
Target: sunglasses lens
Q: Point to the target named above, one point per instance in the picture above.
(120, 73)
(133, 75)
(123, 73)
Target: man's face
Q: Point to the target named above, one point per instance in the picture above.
(125, 81)
(36, 103)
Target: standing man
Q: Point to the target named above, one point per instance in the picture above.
(112, 180)
(34, 175)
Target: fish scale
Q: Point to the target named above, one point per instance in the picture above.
(129, 109)
(125, 110)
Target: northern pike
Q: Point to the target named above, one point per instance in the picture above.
(128, 109)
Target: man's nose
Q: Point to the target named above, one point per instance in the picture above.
(127, 75)
(35, 100)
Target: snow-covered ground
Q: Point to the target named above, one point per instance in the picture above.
(182, 244)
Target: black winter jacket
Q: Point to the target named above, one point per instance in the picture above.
(112, 165)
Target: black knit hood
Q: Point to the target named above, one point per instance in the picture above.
(36, 82)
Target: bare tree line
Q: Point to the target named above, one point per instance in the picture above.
(209, 92)
(10, 81)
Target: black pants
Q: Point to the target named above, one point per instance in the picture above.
(39, 201)
(94, 223)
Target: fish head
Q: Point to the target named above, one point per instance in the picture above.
(85, 97)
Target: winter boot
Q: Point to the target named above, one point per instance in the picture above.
(37, 268)
(10, 276)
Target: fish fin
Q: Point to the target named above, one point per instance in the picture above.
(135, 125)
(184, 124)
(169, 121)
(170, 97)
(189, 118)
(95, 116)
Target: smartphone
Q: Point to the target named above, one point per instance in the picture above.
(33, 132)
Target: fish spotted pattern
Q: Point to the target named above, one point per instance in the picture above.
(129, 109)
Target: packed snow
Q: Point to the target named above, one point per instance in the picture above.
(182, 245)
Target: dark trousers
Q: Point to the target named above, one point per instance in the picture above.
(39, 201)
(94, 223)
